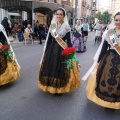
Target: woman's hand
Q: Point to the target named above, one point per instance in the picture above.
(79, 67)
(97, 64)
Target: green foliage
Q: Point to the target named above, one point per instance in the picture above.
(103, 17)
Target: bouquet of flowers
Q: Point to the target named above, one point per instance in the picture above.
(69, 54)
(5, 49)
(83, 35)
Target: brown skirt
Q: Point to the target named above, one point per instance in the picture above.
(11, 73)
(73, 83)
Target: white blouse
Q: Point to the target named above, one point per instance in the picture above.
(78, 28)
(28, 30)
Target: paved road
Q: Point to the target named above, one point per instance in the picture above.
(22, 100)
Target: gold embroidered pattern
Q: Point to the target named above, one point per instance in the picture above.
(61, 42)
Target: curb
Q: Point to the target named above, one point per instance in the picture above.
(17, 42)
(14, 41)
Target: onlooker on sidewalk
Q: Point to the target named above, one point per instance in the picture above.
(10, 27)
(29, 30)
(36, 29)
(5, 24)
(23, 26)
(40, 32)
(17, 31)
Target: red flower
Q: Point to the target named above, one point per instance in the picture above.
(4, 48)
(68, 51)
(83, 35)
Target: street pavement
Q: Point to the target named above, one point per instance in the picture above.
(23, 100)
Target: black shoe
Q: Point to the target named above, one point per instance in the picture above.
(58, 94)
(40, 43)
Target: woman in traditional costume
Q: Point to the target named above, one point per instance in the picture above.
(77, 40)
(103, 86)
(55, 76)
(9, 67)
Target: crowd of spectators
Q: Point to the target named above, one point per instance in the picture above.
(17, 29)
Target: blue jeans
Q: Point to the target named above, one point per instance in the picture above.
(20, 36)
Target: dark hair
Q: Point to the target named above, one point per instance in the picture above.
(118, 13)
(61, 10)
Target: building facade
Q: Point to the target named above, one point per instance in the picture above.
(89, 9)
(114, 7)
(81, 9)
(85, 8)
(41, 10)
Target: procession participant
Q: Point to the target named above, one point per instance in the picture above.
(58, 68)
(98, 32)
(9, 67)
(103, 86)
(77, 40)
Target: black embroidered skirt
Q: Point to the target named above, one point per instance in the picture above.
(103, 87)
(53, 75)
(53, 71)
(108, 77)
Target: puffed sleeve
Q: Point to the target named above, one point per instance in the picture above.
(49, 40)
(103, 50)
(68, 37)
(105, 46)
(3, 39)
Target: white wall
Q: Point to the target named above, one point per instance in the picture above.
(24, 15)
(79, 9)
(4, 13)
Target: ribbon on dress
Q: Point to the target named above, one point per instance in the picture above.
(113, 41)
(13, 54)
(63, 44)
(57, 38)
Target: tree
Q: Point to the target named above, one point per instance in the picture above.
(106, 16)
(103, 17)
(99, 15)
